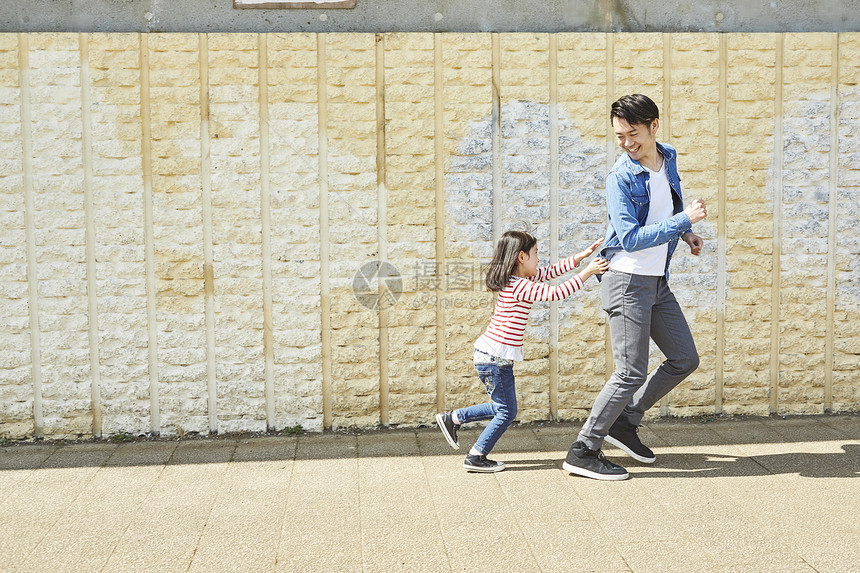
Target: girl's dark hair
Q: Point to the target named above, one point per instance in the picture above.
(635, 109)
(505, 258)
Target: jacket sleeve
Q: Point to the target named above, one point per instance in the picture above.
(622, 216)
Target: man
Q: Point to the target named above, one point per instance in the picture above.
(646, 219)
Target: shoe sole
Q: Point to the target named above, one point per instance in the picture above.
(483, 470)
(440, 421)
(594, 475)
(629, 452)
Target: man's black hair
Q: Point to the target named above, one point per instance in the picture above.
(635, 109)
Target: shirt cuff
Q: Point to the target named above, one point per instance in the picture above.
(684, 223)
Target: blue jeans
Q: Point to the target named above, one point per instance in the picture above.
(502, 409)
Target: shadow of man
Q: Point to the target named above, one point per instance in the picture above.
(843, 464)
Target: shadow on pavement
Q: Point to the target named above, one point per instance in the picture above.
(548, 440)
(812, 465)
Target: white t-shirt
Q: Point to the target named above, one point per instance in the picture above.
(650, 261)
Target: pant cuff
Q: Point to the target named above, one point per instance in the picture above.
(590, 443)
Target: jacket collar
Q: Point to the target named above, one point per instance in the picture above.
(667, 152)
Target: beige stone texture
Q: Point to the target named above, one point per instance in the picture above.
(192, 257)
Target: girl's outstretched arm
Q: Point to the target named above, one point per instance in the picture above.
(565, 265)
(581, 256)
(525, 289)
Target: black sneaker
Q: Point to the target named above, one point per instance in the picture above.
(482, 464)
(592, 464)
(623, 435)
(449, 428)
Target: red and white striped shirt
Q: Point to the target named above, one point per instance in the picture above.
(504, 335)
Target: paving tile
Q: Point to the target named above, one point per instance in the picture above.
(40, 501)
(557, 437)
(835, 551)
(488, 545)
(802, 429)
(746, 494)
(10, 479)
(87, 455)
(626, 512)
(321, 523)
(753, 431)
(539, 495)
(25, 456)
(745, 549)
(572, 546)
(84, 538)
(244, 526)
(265, 449)
(697, 462)
(329, 541)
(326, 446)
(203, 452)
(165, 532)
(667, 556)
(142, 454)
(812, 459)
(848, 425)
(431, 443)
(382, 444)
(402, 542)
(244, 549)
(169, 549)
(522, 439)
(685, 434)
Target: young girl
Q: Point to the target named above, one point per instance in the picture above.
(515, 275)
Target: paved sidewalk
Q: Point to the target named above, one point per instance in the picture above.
(757, 495)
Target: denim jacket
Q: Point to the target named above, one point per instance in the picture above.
(628, 196)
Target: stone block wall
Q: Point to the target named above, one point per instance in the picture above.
(241, 232)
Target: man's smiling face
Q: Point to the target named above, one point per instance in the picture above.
(638, 140)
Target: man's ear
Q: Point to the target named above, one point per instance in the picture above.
(655, 124)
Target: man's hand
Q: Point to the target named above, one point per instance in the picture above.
(695, 242)
(696, 211)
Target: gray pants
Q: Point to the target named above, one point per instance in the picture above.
(639, 307)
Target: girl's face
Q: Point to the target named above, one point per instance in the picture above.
(527, 263)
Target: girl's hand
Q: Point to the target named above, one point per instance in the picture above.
(587, 252)
(595, 267)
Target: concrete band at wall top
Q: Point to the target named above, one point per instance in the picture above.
(379, 16)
